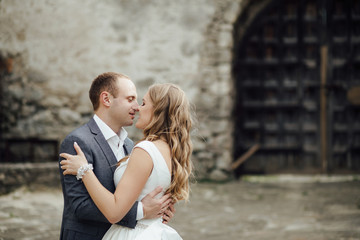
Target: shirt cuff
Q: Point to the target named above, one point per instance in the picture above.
(140, 212)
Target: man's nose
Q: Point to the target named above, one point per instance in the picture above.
(136, 106)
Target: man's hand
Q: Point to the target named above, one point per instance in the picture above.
(169, 213)
(153, 207)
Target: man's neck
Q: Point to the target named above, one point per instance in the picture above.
(108, 121)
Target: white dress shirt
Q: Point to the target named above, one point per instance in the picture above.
(116, 142)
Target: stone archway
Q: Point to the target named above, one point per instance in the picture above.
(214, 131)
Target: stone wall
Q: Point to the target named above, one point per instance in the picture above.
(31, 175)
(52, 50)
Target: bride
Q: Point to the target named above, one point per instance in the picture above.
(161, 158)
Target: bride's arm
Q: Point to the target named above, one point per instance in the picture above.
(113, 206)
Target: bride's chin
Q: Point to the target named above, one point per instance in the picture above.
(137, 126)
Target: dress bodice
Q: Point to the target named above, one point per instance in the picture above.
(160, 175)
(146, 229)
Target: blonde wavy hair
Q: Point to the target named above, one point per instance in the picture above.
(171, 122)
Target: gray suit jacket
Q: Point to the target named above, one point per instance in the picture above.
(81, 218)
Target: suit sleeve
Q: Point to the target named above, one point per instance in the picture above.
(80, 201)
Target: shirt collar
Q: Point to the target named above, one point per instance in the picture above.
(123, 135)
(108, 132)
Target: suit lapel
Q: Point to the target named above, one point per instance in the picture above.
(100, 139)
(128, 146)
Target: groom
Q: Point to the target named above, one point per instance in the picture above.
(104, 142)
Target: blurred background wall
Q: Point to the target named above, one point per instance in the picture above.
(51, 51)
(275, 83)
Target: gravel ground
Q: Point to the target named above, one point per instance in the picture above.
(271, 207)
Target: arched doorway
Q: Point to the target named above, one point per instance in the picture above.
(294, 67)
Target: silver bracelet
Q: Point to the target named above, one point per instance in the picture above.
(83, 170)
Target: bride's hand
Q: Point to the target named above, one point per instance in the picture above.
(72, 163)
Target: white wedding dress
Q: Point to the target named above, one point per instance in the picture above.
(146, 229)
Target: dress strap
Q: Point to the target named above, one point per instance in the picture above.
(148, 147)
(155, 154)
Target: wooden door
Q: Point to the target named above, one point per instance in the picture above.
(294, 68)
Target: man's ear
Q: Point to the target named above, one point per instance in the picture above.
(105, 98)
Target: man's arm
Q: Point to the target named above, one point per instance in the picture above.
(75, 191)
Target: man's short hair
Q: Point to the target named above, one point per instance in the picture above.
(104, 82)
